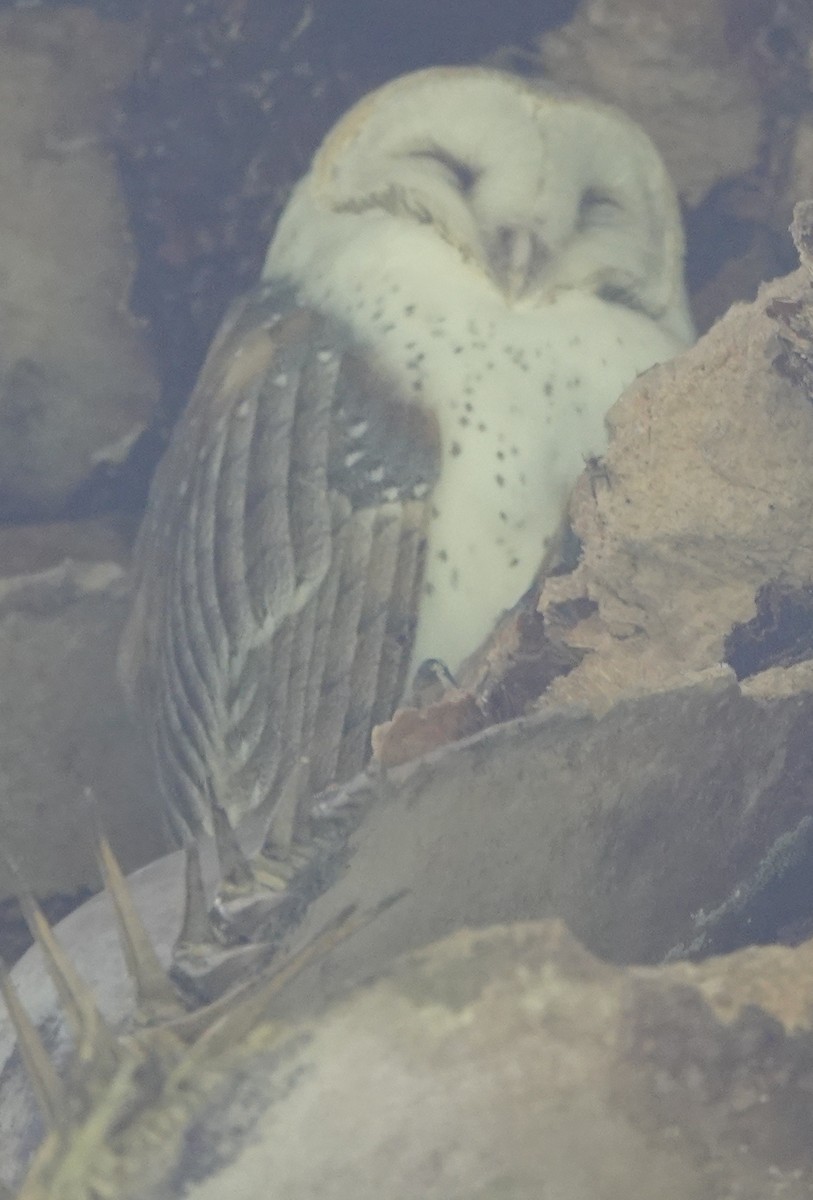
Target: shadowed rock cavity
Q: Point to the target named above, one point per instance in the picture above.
(76, 381)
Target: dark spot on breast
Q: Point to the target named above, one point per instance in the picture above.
(455, 449)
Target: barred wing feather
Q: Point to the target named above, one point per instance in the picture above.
(278, 568)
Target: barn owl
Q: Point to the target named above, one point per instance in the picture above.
(384, 434)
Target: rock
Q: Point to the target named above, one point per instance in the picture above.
(511, 1063)
(705, 496)
(63, 727)
(75, 375)
(502, 1062)
(801, 177)
(674, 69)
(634, 826)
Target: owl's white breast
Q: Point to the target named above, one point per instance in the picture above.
(521, 392)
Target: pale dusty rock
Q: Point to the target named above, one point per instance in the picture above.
(509, 1063)
(505, 1062)
(800, 186)
(75, 375)
(63, 726)
(780, 681)
(671, 68)
(705, 495)
(630, 826)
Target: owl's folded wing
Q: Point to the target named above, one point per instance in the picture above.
(279, 565)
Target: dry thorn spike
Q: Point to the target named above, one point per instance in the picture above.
(94, 1039)
(156, 997)
(44, 1079)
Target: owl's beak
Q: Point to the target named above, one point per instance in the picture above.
(515, 256)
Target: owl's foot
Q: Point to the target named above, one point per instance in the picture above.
(255, 902)
(252, 891)
(210, 956)
(257, 898)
